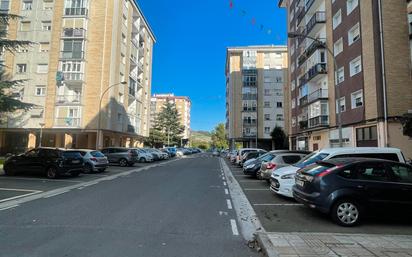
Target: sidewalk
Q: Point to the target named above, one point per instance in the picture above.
(327, 244)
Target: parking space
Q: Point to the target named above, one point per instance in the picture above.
(281, 214)
(14, 187)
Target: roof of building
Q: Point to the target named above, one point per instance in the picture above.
(145, 20)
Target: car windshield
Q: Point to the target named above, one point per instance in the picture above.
(310, 159)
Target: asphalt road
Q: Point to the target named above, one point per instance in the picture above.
(281, 214)
(177, 208)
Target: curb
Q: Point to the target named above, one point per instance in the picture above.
(266, 245)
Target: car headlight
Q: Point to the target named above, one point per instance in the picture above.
(288, 176)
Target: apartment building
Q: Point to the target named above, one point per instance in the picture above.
(84, 51)
(183, 106)
(370, 42)
(255, 81)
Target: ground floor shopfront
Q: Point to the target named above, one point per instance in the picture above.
(365, 135)
(20, 140)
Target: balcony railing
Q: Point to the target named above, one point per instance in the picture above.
(303, 100)
(70, 55)
(303, 124)
(317, 95)
(73, 76)
(249, 96)
(319, 121)
(68, 100)
(252, 134)
(247, 123)
(133, 60)
(68, 122)
(78, 11)
(249, 109)
(132, 90)
(317, 69)
(73, 33)
(310, 50)
(317, 18)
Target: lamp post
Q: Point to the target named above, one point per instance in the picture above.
(41, 132)
(337, 93)
(100, 111)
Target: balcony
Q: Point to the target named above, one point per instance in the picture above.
(317, 19)
(249, 109)
(300, 14)
(131, 129)
(73, 76)
(320, 94)
(78, 11)
(73, 33)
(319, 121)
(133, 60)
(303, 100)
(249, 123)
(251, 134)
(310, 50)
(303, 124)
(68, 100)
(68, 122)
(317, 69)
(249, 96)
(70, 55)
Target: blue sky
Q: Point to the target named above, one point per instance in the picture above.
(190, 53)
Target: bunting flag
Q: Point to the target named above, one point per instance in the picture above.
(243, 13)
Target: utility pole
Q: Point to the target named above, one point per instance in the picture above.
(41, 132)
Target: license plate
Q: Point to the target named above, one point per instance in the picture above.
(300, 183)
(76, 161)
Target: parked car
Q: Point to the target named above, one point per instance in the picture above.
(282, 180)
(51, 162)
(251, 155)
(164, 155)
(143, 156)
(348, 188)
(233, 156)
(172, 151)
(279, 161)
(216, 153)
(241, 152)
(94, 161)
(123, 156)
(156, 155)
(251, 167)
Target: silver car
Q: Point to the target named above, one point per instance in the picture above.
(123, 156)
(279, 160)
(94, 161)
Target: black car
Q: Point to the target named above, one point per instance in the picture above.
(347, 188)
(253, 167)
(52, 162)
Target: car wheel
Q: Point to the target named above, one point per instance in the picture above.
(123, 163)
(102, 170)
(142, 160)
(346, 213)
(258, 175)
(51, 173)
(88, 168)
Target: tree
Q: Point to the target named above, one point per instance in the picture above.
(219, 137)
(279, 138)
(167, 128)
(7, 102)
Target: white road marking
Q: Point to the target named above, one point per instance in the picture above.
(221, 213)
(55, 194)
(8, 207)
(41, 179)
(250, 181)
(226, 191)
(235, 231)
(20, 196)
(229, 204)
(223, 178)
(224, 183)
(278, 204)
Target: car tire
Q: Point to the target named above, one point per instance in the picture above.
(88, 168)
(258, 175)
(123, 163)
(347, 212)
(142, 160)
(51, 173)
(102, 170)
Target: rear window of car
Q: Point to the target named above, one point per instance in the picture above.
(311, 159)
(291, 159)
(71, 154)
(384, 156)
(97, 154)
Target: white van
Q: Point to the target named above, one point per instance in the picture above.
(282, 180)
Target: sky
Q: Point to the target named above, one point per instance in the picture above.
(190, 53)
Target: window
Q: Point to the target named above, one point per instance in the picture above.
(119, 117)
(337, 19)
(267, 116)
(367, 134)
(401, 173)
(351, 5)
(338, 47)
(279, 117)
(21, 68)
(4, 5)
(47, 4)
(27, 5)
(291, 159)
(46, 25)
(355, 66)
(340, 104)
(123, 38)
(32, 153)
(267, 104)
(279, 105)
(267, 130)
(372, 171)
(25, 26)
(40, 91)
(267, 92)
(22, 49)
(42, 68)
(44, 47)
(357, 99)
(353, 34)
(340, 75)
(293, 121)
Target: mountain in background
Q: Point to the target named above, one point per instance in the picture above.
(201, 139)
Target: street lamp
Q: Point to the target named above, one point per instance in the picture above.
(100, 111)
(337, 93)
(41, 132)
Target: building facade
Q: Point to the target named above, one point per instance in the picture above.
(83, 51)
(255, 81)
(183, 106)
(370, 42)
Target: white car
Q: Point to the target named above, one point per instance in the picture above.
(282, 180)
(240, 154)
(144, 156)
